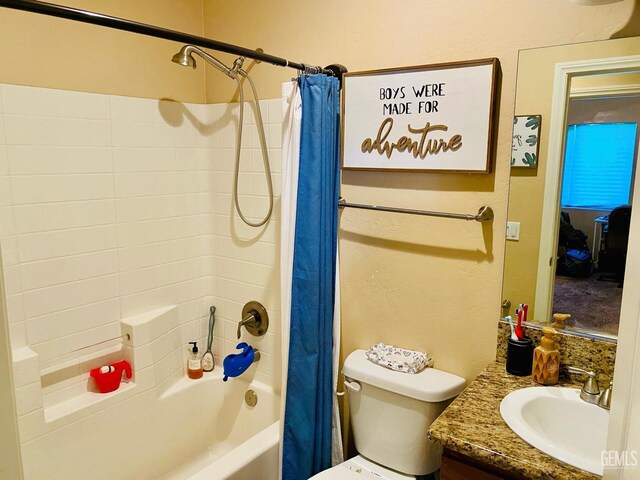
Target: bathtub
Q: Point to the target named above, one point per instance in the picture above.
(244, 440)
(196, 429)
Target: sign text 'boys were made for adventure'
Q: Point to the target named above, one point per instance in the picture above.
(431, 118)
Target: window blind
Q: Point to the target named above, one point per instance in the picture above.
(598, 165)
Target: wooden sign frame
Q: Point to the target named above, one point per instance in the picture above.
(440, 88)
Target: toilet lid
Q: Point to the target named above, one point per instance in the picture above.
(340, 473)
(429, 385)
(360, 468)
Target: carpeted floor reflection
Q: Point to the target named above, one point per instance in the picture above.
(593, 304)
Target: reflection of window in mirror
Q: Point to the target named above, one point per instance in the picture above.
(599, 165)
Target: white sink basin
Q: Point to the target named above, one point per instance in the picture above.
(556, 421)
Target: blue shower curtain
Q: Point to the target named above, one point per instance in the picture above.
(309, 397)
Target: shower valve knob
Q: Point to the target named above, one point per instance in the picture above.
(255, 319)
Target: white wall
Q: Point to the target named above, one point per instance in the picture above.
(114, 206)
(246, 259)
(10, 461)
(107, 206)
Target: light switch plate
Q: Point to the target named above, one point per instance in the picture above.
(513, 231)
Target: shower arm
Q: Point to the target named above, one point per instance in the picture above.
(229, 72)
(117, 23)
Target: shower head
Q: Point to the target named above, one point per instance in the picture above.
(185, 58)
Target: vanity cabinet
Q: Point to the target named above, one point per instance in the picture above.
(458, 467)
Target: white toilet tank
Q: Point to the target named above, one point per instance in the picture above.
(392, 411)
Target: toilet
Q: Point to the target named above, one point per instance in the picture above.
(390, 414)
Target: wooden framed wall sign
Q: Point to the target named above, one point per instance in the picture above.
(435, 118)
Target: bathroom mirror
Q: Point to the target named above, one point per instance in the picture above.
(569, 214)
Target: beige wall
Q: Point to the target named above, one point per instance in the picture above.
(535, 85)
(56, 53)
(423, 283)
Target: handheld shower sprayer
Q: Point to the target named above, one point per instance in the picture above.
(185, 58)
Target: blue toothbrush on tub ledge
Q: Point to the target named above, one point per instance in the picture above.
(237, 363)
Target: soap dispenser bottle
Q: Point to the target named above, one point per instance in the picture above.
(546, 359)
(194, 364)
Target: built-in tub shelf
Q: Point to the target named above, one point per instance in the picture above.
(105, 350)
(52, 396)
(86, 403)
(67, 388)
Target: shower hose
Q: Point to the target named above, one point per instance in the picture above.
(263, 147)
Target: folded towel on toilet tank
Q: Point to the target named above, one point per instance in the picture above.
(399, 359)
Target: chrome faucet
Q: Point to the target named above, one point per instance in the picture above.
(590, 391)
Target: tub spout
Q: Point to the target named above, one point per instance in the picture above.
(237, 363)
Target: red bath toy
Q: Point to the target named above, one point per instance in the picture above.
(110, 381)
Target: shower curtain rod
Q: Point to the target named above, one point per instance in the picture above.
(94, 18)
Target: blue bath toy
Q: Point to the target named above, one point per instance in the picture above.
(237, 363)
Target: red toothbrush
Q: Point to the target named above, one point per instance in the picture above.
(519, 331)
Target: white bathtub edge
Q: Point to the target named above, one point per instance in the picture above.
(243, 455)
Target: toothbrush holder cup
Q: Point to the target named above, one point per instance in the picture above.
(520, 357)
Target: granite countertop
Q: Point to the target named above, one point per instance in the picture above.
(472, 426)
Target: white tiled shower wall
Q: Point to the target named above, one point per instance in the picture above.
(113, 206)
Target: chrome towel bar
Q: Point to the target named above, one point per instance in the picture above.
(484, 214)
